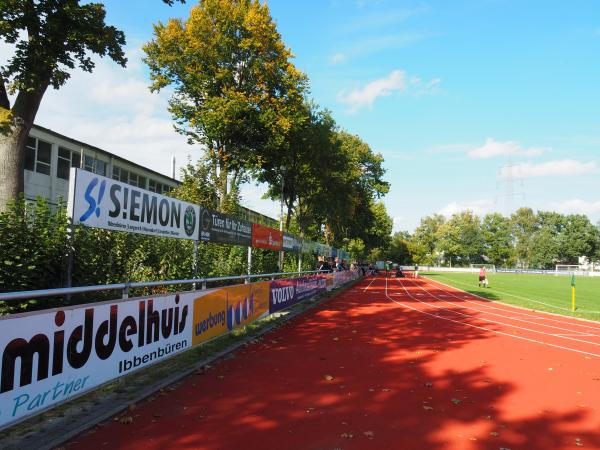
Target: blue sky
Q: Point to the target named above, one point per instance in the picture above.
(451, 93)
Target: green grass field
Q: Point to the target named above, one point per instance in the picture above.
(540, 292)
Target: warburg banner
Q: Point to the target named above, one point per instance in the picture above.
(51, 356)
(224, 229)
(221, 310)
(101, 202)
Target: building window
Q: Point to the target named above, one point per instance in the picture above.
(120, 174)
(66, 159)
(157, 187)
(38, 155)
(94, 165)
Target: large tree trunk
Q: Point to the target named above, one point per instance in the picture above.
(12, 145)
(12, 162)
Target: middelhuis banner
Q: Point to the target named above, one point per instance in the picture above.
(51, 356)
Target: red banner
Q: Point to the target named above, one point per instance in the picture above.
(265, 237)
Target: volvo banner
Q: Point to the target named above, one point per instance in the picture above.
(100, 202)
(224, 229)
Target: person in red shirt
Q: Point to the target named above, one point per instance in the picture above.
(483, 278)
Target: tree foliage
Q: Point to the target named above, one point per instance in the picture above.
(236, 90)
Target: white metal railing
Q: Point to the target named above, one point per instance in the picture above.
(125, 287)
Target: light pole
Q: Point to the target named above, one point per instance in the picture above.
(283, 170)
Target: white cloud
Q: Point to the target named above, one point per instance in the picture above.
(478, 207)
(576, 206)
(396, 81)
(557, 168)
(493, 148)
(112, 108)
(337, 58)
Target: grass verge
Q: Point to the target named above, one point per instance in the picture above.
(532, 291)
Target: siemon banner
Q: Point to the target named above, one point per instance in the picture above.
(51, 356)
(101, 202)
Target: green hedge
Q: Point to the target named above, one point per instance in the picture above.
(34, 252)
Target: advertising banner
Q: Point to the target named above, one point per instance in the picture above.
(221, 310)
(340, 278)
(265, 237)
(50, 356)
(309, 247)
(283, 295)
(100, 202)
(223, 229)
(291, 243)
(308, 286)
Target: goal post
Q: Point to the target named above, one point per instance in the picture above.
(488, 267)
(566, 269)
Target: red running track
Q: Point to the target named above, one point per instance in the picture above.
(390, 364)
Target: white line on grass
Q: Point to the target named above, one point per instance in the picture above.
(496, 322)
(485, 329)
(569, 330)
(588, 323)
(519, 297)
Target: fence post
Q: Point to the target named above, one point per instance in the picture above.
(195, 264)
(299, 263)
(125, 294)
(247, 280)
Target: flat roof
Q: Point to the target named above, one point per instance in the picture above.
(117, 157)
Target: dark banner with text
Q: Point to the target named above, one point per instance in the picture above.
(223, 229)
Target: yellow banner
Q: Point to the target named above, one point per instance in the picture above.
(224, 309)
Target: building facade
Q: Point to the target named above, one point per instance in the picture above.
(50, 156)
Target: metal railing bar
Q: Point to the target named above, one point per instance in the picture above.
(24, 295)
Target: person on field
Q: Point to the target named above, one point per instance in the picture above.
(416, 271)
(483, 278)
(399, 273)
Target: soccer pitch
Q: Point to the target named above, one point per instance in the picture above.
(540, 292)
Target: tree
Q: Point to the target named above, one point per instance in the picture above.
(460, 238)
(423, 242)
(524, 224)
(579, 237)
(235, 88)
(498, 241)
(50, 38)
(399, 250)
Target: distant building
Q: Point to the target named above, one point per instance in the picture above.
(50, 156)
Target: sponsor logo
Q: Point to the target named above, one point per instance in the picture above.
(283, 294)
(189, 220)
(93, 202)
(49, 353)
(211, 321)
(240, 312)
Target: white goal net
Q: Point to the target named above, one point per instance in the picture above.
(567, 268)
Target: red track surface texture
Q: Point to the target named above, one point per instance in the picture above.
(391, 363)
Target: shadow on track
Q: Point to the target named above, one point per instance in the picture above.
(357, 372)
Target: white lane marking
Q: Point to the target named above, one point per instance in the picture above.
(569, 330)
(505, 324)
(513, 308)
(369, 285)
(516, 296)
(486, 329)
(573, 334)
